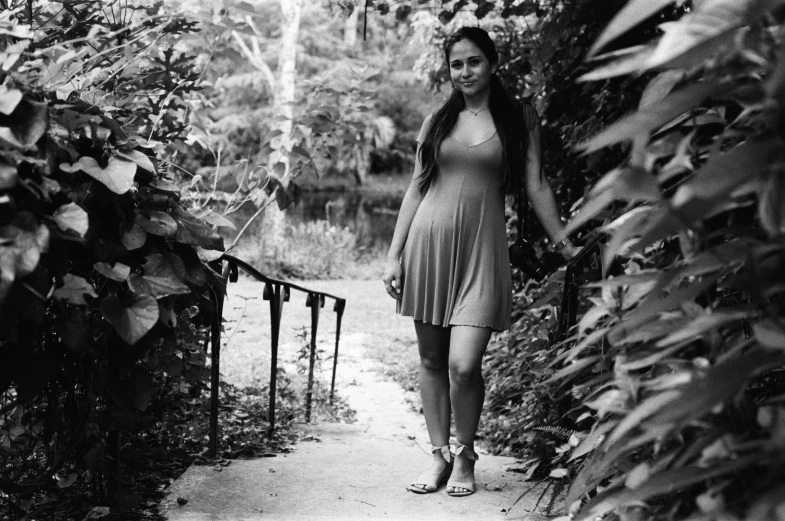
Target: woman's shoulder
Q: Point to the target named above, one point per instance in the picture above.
(426, 126)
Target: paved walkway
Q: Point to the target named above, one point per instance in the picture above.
(350, 471)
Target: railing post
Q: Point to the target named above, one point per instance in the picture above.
(215, 359)
(340, 305)
(274, 293)
(315, 302)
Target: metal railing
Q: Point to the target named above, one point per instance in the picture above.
(584, 267)
(277, 292)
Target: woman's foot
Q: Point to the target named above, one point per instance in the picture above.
(461, 482)
(431, 479)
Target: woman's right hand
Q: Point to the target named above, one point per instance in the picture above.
(392, 278)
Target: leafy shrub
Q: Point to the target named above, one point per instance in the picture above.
(105, 292)
(679, 362)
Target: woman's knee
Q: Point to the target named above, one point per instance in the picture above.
(433, 361)
(462, 372)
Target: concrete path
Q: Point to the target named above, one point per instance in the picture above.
(348, 471)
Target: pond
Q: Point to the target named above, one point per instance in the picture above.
(370, 216)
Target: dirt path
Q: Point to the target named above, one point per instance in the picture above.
(346, 471)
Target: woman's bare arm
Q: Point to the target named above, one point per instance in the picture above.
(540, 192)
(411, 201)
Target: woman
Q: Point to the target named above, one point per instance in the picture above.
(448, 264)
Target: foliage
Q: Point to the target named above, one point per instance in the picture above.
(105, 299)
(313, 250)
(676, 369)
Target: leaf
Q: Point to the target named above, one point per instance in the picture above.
(118, 176)
(118, 272)
(131, 322)
(659, 87)
(635, 12)
(21, 245)
(157, 279)
(72, 217)
(74, 289)
(771, 205)
(646, 120)
(770, 333)
(194, 232)
(157, 223)
(637, 476)
(647, 408)
(140, 158)
(217, 219)
(664, 482)
(25, 125)
(657, 303)
(8, 176)
(711, 18)
(701, 325)
(67, 481)
(134, 238)
(9, 99)
(631, 61)
(73, 332)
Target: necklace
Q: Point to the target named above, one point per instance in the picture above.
(475, 113)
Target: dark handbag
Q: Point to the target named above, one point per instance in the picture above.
(522, 254)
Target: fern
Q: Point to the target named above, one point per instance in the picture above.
(558, 488)
(558, 432)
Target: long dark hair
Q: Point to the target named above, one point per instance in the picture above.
(507, 117)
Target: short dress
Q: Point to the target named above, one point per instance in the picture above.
(455, 262)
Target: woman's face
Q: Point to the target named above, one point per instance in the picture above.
(470, 69)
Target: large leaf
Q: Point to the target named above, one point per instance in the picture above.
(158, 278)
(657, 303)
(118, 272)
(141, 159)
(8, 176)
(135, 237)
(665, 482)
(650, 118)
(635, 12)
(157, 223)
(771, 205)
(710, 19)
(131, 322)
(9, 99)
(25, 126)
(74, 289)
(72, 218)
(21, 246)
(118, 176)
(195, 232)
(700, 325)
(703, 393)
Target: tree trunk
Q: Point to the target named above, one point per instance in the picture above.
(284, 108)
(350, 26)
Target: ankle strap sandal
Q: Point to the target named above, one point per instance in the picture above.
(468, 487)
(444, 450)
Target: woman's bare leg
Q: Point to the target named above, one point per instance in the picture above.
(434, 345)
(467, 391)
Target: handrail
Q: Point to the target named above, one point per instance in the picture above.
(277, 292)
(584, 267)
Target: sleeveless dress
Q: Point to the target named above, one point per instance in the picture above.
(455, 262)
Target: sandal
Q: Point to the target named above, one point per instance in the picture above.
(426, 478)
(471, 486)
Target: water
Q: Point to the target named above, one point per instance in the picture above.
(370, 216)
